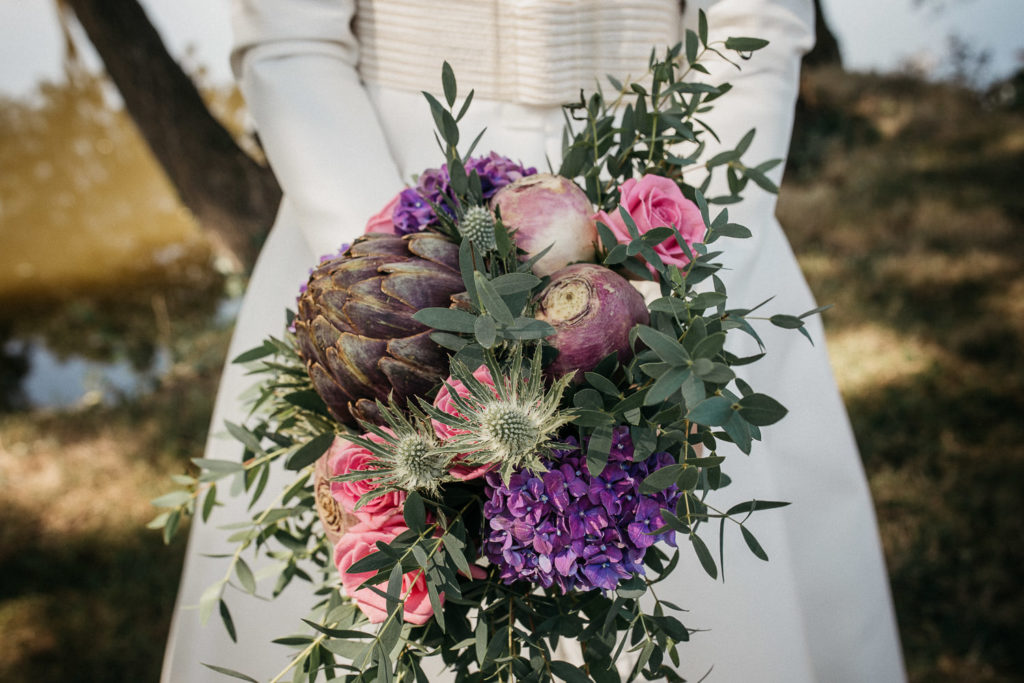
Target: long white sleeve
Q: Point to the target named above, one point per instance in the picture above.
(295, 61)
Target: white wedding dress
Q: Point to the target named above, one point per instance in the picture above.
(344, 125)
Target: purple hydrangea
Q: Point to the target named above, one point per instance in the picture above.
(568, 528)
(413, 212)
(496, 172)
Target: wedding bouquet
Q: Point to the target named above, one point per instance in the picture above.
(499, 446)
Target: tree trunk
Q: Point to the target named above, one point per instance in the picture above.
(826, 48)
(231, 196)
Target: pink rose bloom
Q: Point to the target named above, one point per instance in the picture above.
(344, 457)
(654, 202)
(360, 541)
(382, 221)
(444, 403)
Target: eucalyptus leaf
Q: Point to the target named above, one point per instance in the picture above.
(242, 434)
(569, 673)
(448, 83)
(172, 499)
(667, 348)
(229, 623)
(601, 383)
(714, 411)
(229, 672)
(753, 544)
(704, 556)
(491, 300)
(447, 319)
(415, 512)
(485, 331)
(209, 600)
(741, 44)
(661, 478)
(310, 452)
(599, 449)
(761, 410)
(245, 576)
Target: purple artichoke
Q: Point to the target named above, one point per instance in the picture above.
(354, 327)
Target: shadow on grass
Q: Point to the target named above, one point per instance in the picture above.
(83, 608)
(86, 592)
(907, 216)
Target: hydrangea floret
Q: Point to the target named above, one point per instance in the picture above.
(571, 529)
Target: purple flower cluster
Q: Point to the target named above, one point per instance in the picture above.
(568, 528)
(413, 212)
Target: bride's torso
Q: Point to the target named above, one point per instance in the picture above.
(535, 52)
(523, 58)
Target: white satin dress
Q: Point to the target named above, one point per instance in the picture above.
(333, 86)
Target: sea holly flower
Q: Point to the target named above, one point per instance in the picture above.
(407, 455)
(444, 402)
(511, 424)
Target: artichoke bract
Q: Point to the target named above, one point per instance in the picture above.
(354, 327)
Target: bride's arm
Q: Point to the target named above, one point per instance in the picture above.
(766, 87)
(295, 62)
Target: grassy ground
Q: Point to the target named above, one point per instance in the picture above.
(903, 205)
(910, 221)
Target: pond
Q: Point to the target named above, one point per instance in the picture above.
(104, 275)
(70, 382)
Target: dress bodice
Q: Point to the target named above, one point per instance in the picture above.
(526, 51)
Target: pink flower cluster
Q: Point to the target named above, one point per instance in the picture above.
(653, 202)
(381, 519)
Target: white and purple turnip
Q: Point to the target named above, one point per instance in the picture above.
(546, 209)
(592, 310)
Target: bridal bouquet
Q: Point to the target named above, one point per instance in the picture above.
(499, 447)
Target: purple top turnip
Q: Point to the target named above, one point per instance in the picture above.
(546, 209)
(592, 310)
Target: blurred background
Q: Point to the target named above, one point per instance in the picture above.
(132, 203)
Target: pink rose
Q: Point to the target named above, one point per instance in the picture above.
(654, 202)
(360, 541)
(444, 402)
(382, 221)
(344, 457)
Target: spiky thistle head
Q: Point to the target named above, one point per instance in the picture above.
(514, 424)
(418, 465)
(477, 225)
(408, 454)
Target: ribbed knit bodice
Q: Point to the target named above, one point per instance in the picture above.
(528, 51)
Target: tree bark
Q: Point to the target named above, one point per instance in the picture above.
(231, 196)
(826, 48)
